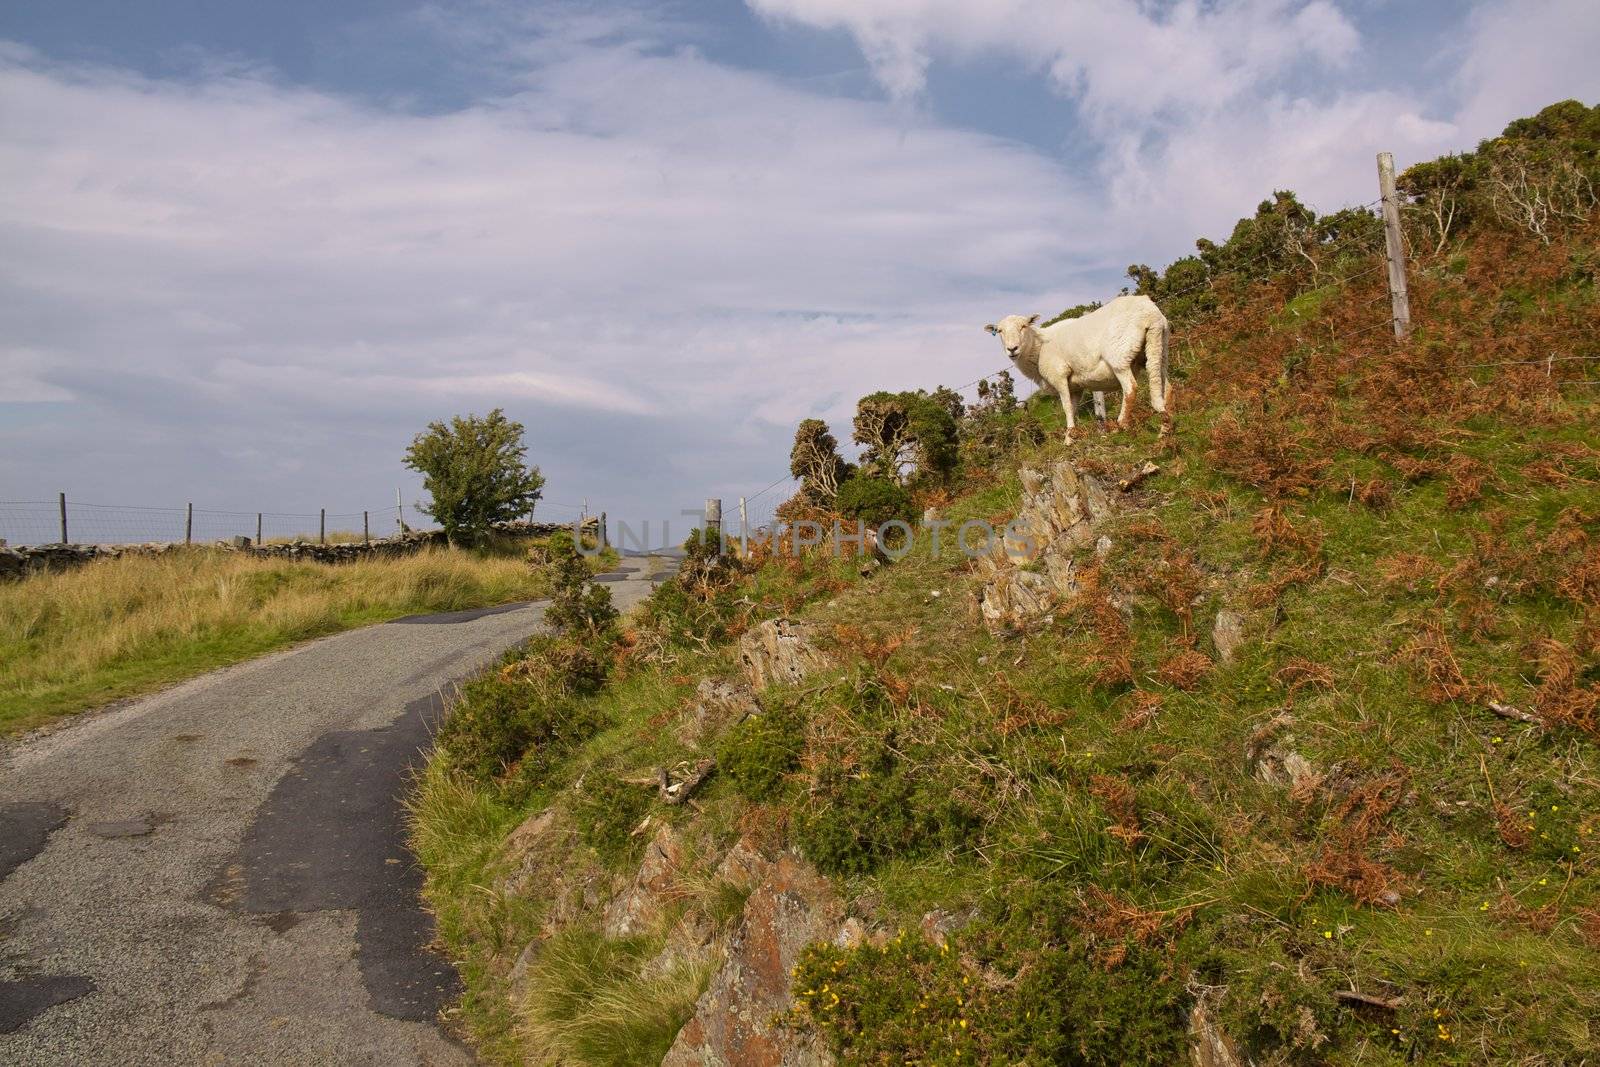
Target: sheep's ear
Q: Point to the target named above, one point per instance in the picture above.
(1032, 319)
(992, 328)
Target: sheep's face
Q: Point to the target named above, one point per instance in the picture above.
(1016, 334)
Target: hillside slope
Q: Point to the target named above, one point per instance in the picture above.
(1288, 757)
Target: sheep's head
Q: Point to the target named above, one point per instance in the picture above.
(1017, 335)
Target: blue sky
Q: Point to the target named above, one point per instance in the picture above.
(252, 248)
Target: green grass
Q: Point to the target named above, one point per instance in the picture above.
(1108, 840)
(117, 628)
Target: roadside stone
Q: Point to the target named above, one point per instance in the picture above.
(735, 1023)
(641, 905)
(1227, 634)
(779, 652)
(718, 704)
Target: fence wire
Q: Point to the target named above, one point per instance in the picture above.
(38, 522)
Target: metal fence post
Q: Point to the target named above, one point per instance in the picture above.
(63, 502)
(188, 524)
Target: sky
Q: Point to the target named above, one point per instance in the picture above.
(250, 249)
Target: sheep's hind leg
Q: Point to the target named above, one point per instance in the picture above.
(1126, 381)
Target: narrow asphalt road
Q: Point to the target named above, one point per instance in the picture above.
(218, 873)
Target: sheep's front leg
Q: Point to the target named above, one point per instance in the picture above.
(1125, 379)
(1067, 405)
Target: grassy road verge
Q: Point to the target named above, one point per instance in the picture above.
(118, 628)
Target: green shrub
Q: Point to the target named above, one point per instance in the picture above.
(913, 1001)
(515, 722)
(578, 606)
(760, 753)
(864, 814)
(606, 810)
(874, 500)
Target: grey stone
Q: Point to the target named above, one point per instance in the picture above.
(1227, 633)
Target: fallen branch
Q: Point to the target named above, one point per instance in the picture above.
(1131, 481)
(1506, 711)
(1350, 996)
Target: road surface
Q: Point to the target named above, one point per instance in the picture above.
(218, 873)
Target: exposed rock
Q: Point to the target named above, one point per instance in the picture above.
(718, 704)
(1273, 758)
(1029, 570)
(734, 1021)
(1227, 633)
(779, 652)
(641, 905)
(938, 925)
(530, 832)
(1208, 1045)
(744, 865)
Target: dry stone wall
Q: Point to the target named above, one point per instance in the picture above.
(21, 561)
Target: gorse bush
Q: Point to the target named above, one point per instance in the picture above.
(513, 724)
(760, 753)
(578, 607)
(874, 500)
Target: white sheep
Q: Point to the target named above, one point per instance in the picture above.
(1097, 351)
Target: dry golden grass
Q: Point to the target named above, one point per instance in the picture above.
(119, 627)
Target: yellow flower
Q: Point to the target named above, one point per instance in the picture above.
(1328, 934)
(1484, 906)
(1498, 740)
(1427, 933)
(1544, 881)
(963, 1024)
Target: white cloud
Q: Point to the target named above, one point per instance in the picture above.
(682, 257)
(630, 236)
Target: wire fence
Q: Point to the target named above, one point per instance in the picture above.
(1388, 322)
(63, 520)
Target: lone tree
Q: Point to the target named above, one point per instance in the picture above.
(814, 459)
(473, 470)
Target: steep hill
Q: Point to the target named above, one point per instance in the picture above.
(1284, 753)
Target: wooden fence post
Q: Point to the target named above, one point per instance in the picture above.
(258, 529)
(322, 526)
(714, 521)
(366, 530)
(1100, 406)
(63, 502)
(399, 513)
(188, 524)
(1394, 245)
(603, 530)
(744, 531)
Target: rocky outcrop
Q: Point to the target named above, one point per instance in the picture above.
(18, 562)
(736, 1021)
(1030, 570)
(640, 906)
(1208, 1045)
(780, 652)
(717, 705)
(1227, 634)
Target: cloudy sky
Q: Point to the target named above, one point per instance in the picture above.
(251, 248)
